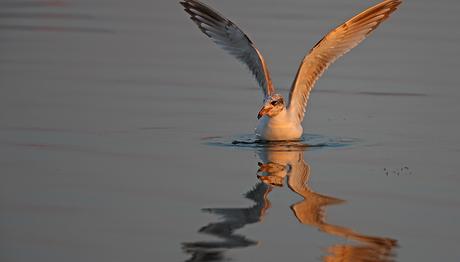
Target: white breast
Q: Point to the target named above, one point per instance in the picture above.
(279, 127)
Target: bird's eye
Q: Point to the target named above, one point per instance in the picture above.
(274, 102)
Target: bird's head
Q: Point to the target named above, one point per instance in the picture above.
(273, 105)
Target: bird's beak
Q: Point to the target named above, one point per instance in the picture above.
(262, 167)
(263, 111)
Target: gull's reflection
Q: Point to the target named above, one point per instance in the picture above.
(233, 219)
(280, 162)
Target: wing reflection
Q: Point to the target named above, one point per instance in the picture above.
(278, 163)
(233, 219)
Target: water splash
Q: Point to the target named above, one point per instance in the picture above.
(308, 141)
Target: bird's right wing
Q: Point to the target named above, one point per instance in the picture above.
(335, 44)
(232, 39)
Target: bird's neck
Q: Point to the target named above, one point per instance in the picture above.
(282, 117)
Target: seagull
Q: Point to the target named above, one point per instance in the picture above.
(281, 120)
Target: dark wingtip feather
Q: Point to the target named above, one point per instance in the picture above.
(199, 8)
(201, 14)
(183, 3)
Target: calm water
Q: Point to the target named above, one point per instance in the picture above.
(117, 120)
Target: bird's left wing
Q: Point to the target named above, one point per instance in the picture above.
(232, 39)
(335, 44)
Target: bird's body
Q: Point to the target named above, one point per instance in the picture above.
(283, 126)
(279, 120)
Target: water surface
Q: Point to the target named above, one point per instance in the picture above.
(110, 112)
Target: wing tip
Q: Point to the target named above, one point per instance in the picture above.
(185, 4)
(194, 8)
(200, 9)
(392, 4)
(383, 9)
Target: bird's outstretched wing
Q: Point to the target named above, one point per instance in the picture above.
(335, 44)
(229, 37)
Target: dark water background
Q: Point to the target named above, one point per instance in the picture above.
(110, 112)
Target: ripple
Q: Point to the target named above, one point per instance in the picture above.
(308, 141)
